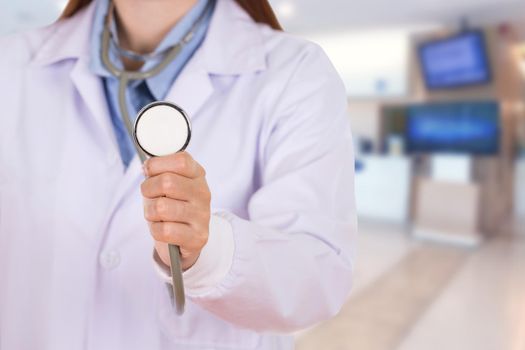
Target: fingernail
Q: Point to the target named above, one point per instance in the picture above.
(145, 169)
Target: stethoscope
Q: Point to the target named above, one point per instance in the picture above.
(161, 127)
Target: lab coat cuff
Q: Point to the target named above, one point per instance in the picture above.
(214, 262)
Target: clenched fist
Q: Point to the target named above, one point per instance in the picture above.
(177, 205)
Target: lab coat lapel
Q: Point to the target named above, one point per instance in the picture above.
(70, 41)
(231, 47)
(90, 89)
(192, 88)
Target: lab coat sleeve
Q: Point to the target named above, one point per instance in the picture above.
(293, 257)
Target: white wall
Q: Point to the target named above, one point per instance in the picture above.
(382, 189)
(372, 63)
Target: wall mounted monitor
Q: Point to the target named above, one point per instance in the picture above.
(458, 127)
(457, 61)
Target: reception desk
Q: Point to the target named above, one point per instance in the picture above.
(383, 188)
(447, 212)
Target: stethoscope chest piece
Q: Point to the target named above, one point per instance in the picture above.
(162, 128)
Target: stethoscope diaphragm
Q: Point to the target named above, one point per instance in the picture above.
(162, 128)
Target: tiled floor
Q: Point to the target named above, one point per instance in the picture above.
(420, 296)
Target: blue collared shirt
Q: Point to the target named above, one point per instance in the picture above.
(143, 92)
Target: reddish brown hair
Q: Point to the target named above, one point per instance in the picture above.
(259, 10)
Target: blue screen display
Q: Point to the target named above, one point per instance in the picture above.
(472, 128)
(458, 61)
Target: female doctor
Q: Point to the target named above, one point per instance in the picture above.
(260, 203)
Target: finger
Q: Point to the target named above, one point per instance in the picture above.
(168, 209)
(178, 234)
(180, 163)
(170, 185)
(162, 250)
(170, 232)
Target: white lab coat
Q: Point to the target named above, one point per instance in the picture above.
(269, 126)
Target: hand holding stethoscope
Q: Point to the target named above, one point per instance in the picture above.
(175, 191)
(177, 198)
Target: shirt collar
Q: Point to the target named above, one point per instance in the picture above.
(160, 84)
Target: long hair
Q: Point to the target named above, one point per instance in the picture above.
(259, 10)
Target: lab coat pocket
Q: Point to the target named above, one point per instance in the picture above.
(198, 328)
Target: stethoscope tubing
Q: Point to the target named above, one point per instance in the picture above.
(177, 290)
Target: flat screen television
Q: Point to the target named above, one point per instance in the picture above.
(459, 127)
(456, 61)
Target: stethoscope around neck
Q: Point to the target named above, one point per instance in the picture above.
(161, 127)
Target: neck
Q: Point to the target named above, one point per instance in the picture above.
(142, 24)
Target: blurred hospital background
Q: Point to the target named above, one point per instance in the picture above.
(436, 98)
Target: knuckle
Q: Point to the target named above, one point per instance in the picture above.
(183, 163)
(160, 232)
(166, 231)
(148, 214)
(206, 194)
(166, 183)
(202, 171)
(161, 207)
(156, 232)
(201, 239)
(202, 192)
(143, 188)
(182, 210)
(204, 215)
(147, 167)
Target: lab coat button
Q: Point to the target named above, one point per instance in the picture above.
(109, 260)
